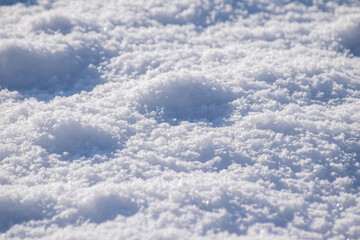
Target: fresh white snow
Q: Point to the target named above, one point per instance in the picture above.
(179, 119)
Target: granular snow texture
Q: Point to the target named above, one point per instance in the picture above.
(179, 119)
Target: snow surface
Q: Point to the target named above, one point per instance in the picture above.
(179, 119)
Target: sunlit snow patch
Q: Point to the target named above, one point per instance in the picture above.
(174, 98)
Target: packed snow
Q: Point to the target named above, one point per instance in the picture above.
(179, 119)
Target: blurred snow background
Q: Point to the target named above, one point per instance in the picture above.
(195, 119)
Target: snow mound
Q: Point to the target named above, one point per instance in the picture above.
(24, 67)
(100, 208)
(12, 2)
(53, 22)
(16, 209)
(184, 97)
(199, 13)
(72, 139)
(349, 35)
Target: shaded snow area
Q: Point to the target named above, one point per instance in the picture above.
(179, 119)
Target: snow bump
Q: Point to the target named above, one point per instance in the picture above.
(53, 22)
(12, 2)
(349, 37)
(185, 97)
(103, 207)
(72, 139)
(18, 208)
(199, 13)
(54, 70)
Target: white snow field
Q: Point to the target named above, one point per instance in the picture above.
(179, 119)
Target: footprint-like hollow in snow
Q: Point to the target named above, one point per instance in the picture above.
(52, 70)
(71, 140)
(174, 98)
